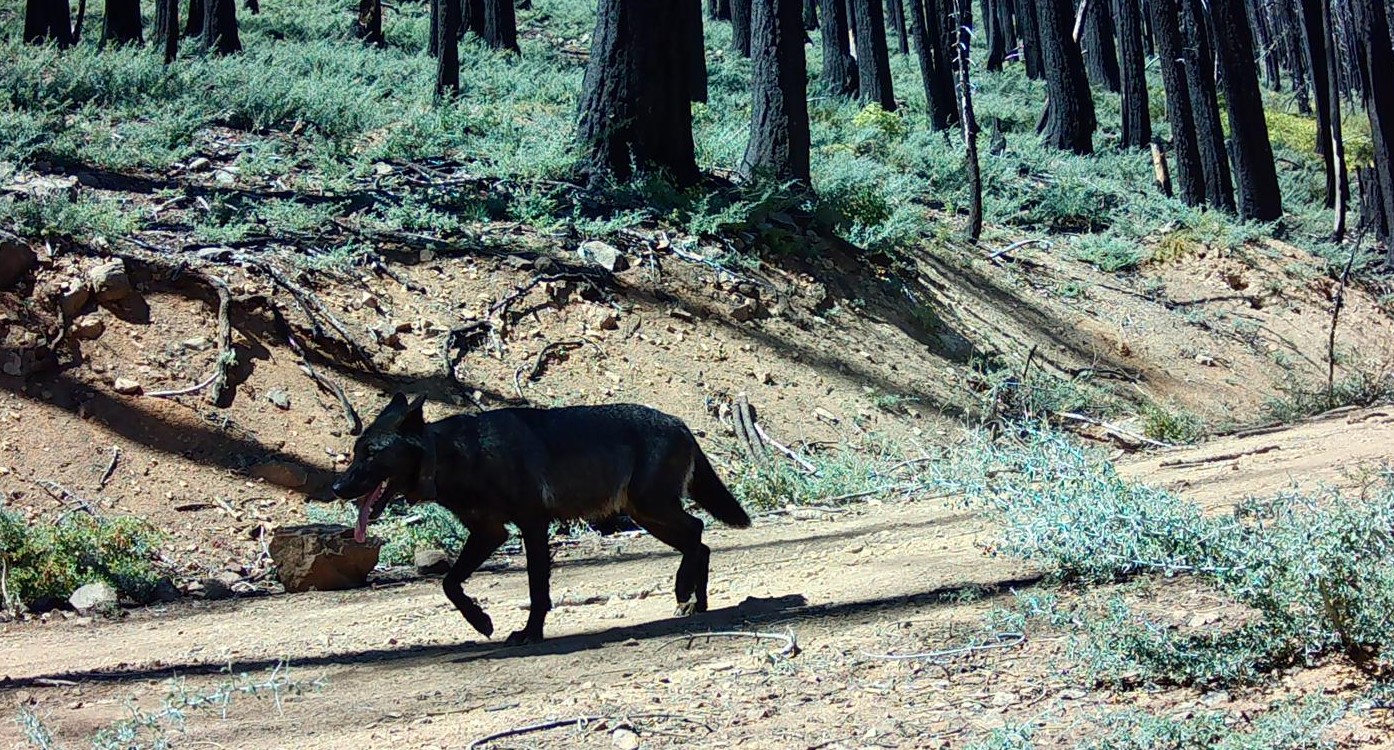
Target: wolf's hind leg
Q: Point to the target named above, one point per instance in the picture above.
(482, 542)
(680, 530)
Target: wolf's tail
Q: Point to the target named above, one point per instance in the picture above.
(710, 492)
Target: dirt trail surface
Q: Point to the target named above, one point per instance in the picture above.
(398, 667)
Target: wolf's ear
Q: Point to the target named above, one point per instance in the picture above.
(414, 420)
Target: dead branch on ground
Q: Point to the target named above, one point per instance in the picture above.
(1183, 464)
(790, 649)
(1003, 640)
(283, 330)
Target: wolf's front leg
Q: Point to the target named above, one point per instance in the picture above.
(539, 582)
(482, 542)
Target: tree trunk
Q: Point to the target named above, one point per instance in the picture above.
(1205, 106)
(635, 102)
(1256, 175)
(447, 26)
(928, 31)
(696, 52)
(1029, 29)
(473, 19)
(839, 76)
(1315, 39)
(1372, 19)
(123, 22)
(1340, 196)
(1268, 48)
(1137, 118)
(1189, 174)
(369, 25)
(1069, 121)
(220, 34)
(897, 10)
(740, 27)
(193, 25)
(970, 128)
(779, 136)
(997, 17)
(48, 21)
(873, 57)
(167, 28)
(810, 15)
(719, 10)
(501, 25)
(1100, 52)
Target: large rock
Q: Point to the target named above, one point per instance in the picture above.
(322, 557)
(17, 260)
(432, 562)
(94, 597)
(602, 254)
(110, 282)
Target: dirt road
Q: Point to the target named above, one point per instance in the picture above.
(398, 667)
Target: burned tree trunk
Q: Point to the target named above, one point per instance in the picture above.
(48, 21)
(167, 28)
(1100, 52)
(719, 10)
(779, 136)
(740, 27)
(1029, 29)
(1137, 118)
(997, 17)
(1205, 106)
(690, 21)
(810, 15)
(368, 27)
(1256, 175)
(1372, 20)
(123, 22)
(501, 25)
(970, 128)
(1190, 175)
(447, 26)
(926, 26)
(1069, 118)
(636, 110)
(193, 25)
(472, 19)
(220, 33)
(839, 76)
(1340, 196)
(897, 10)
(873, 57)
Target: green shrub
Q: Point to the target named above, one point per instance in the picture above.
(50, 560)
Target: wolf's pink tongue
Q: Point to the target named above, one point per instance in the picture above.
(365, 509)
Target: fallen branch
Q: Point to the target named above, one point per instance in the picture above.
(1113, 429)
(1047, 244)
(791, 645)
(110, 468)
(282, 329)
(575, 721)
(227, 356)
(195, 388)
(66, 497)
(313, 309)
(1004, 640)
(796, 458)
(1187, 463)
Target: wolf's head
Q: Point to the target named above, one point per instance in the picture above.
(394, 455)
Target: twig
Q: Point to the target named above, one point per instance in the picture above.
(195, 388)
(876, 491)
(1112, 429)
(795, 508)
(1004, 640)
(282, 328)
(66, 497)
(791, 645)
(314, 310)
(796, 458)
(1018, 245)
(227, 356)
(10, 608)
(110, 468)
(581, 721)
(1338, 303)
(1182, 464)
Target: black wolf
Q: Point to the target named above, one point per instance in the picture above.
(529, 467)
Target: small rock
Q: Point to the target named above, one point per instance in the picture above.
(382, 169)
(604, 255)
(749, 310)
(281, 474)
(608, 320)
(73, 299)
(279, 398)
(224, 177)
(321, 557)
(127, 387)
(721, 666)
(854, 548)
(370, 301)
(199, 164)
(94, 597)
(1205, 360)
(1001, 700)
(197, 344)
(17, 260)
(682, 314)
(432, 562)
(110, 281)
(624, 738)
(88, 328)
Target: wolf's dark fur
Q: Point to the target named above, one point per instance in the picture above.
(529, 467)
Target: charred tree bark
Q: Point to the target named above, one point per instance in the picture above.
(897, 10)
(1189, 174)
(123, 22)
(719, 10)
(927, 28)
(810, 15)
(368, 27)
(220, 33)
(740, 27)
(1100, 52)
(997, 17)
(690, 21)
(501, 25)
(1336, 154)
(779, 136)
(1205, 106)
(873, 57)
(839, 76)
(473, 19)
(1069, 120)
(167, 28)
(1316, 37)
(1137, 118)
(253, 7)
(1028, 27)
(48, 21)
(970, 128)
(1256, 175)
(447, 26)
(636, 110)
(1372, 20)
(193, 25)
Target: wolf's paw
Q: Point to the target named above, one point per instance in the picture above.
(686, 609)
(478, 619)
(521, 637)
